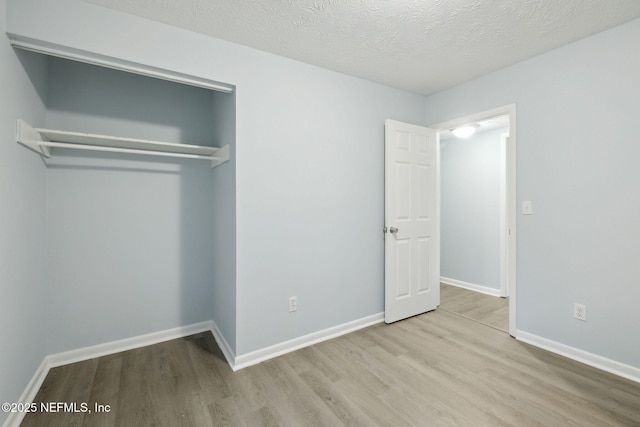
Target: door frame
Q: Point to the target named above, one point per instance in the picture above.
(504, 223)
(508, 265)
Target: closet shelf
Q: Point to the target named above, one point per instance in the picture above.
(41, 140)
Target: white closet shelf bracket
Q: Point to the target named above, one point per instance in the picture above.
(40, 140)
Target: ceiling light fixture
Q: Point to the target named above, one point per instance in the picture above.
(465, 131)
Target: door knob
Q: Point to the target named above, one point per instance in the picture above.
(393, 230)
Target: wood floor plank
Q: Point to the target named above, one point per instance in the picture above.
(201, 354)
(299, 399)
(486, 309)
(105, 392)
(312, 358)
(456, 386)
(70, 385)
(354, 365)
(134, 404)
(436, 369)
(336, 400)
(228, 412)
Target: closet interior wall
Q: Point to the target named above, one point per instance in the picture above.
(223, 186)
(130, 246)
(22, 223)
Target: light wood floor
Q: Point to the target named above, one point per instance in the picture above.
(436, 369)
(486, 309)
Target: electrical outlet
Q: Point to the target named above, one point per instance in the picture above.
(580, 311)
(293, 304)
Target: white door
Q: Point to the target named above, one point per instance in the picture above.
(412, 230)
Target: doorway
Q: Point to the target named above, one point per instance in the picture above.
(492, 274)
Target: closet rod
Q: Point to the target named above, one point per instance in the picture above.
(125, 150)
(40, 140)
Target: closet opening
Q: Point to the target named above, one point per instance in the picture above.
(136, 244)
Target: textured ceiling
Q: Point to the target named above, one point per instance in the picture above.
(423, 46)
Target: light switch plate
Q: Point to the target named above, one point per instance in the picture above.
(527, 207)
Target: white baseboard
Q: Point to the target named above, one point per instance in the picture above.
(224, 345)
(15, 418)
(270, 352)
(612, 366)
(471, 286)
(112, 347)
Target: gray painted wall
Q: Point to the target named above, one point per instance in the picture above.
(130, 237)
(22, 223)
(309, 167)
(310, 198)
(577, 161)
(470, 174)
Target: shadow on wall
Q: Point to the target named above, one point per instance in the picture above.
(36, 67)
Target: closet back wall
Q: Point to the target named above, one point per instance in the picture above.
(129, 237)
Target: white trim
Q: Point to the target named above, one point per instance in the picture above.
(471, 286)
(511, 218)
(99, 350)
(617, 368)
(226, 349)
(255, 357)
(477, 117)
(15, 418)
(438, 216)
(40, 140)
(504, 227)
(73, 54)
(511, 194)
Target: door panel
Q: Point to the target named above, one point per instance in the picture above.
(424, 249)
(412, 245)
